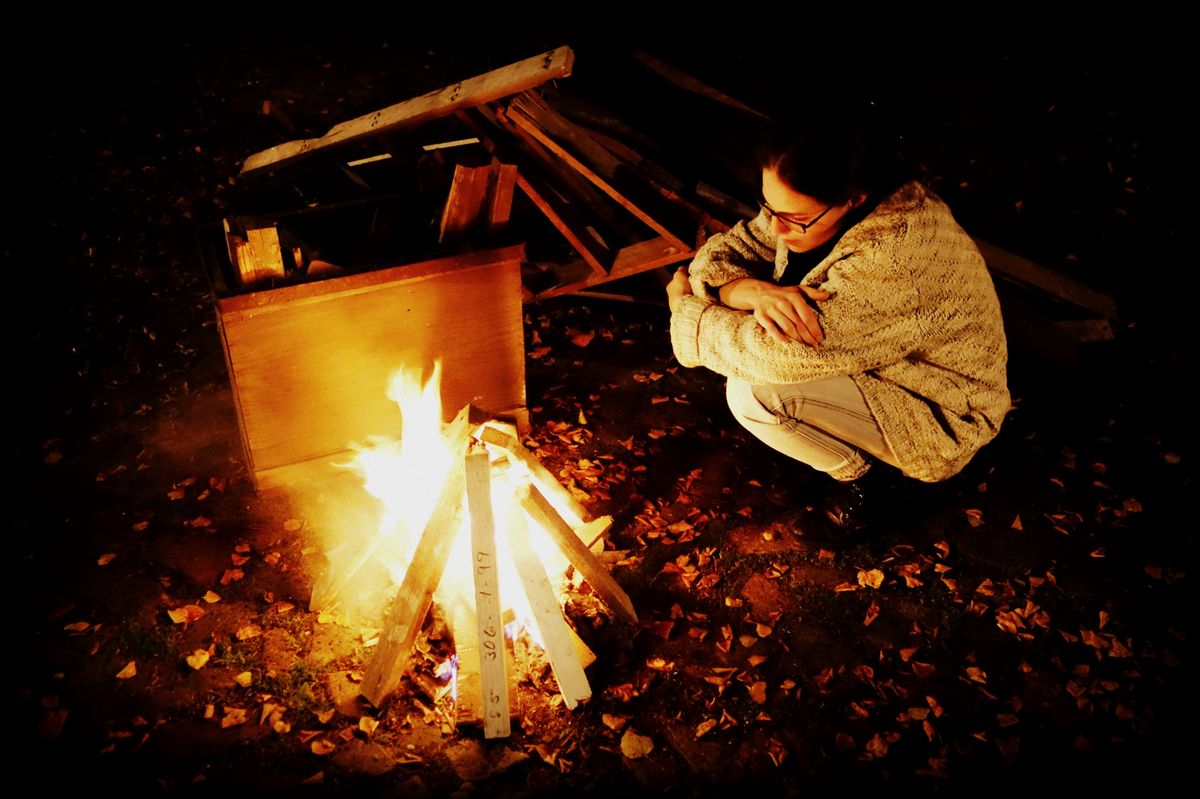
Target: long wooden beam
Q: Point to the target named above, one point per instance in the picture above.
(480, 89)
(541, 511)
(487, 595)
(522, 121)
(1026, 272)
(407, 612)
(552, 629)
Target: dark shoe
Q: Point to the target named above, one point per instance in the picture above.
(858, 508)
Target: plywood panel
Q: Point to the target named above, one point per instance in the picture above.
(310, 364)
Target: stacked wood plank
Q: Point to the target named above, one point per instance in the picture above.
(619, 214)
(485, 674)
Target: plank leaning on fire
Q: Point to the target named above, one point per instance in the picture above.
(415, 595)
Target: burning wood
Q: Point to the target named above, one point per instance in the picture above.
(487, 472)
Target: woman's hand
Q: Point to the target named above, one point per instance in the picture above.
(678, 288)
(784, 312)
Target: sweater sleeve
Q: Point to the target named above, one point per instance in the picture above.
(870, 320)
(746, 250)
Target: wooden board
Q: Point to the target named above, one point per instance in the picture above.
(474, 91)
(552, 629)
(541, 511)
(465, 206)
(529, 126)
(406, 613)
(634, 259)
(1028, 273)
(310, 364)
(490, 631)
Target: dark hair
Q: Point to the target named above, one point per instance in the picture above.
(832, 155)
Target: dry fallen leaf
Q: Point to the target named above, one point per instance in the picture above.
(130, 670)
(248, 632)
(1016, 524)
(870, 579)
(198, 659)
(245, 679)
(758, 692)
(186, 614)
(583, 339)
(106, 558)
(77, 627)
(634, 746)
(211, 596)
(977, 674)
(974, 517)
(325, 715)
(704, 727)
(233, 717)
(613, 722)
(367, 725)
(232, 576)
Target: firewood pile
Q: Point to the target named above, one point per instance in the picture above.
(497, 158)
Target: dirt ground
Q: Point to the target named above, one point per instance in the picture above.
(1025, 625)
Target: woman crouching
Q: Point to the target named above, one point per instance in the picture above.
(855, 319)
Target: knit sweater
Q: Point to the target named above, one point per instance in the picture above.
(912, 318)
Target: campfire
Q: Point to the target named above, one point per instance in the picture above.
(471, 515)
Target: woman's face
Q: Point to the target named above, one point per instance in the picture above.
(797, 208)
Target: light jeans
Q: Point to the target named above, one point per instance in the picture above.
(825, 423)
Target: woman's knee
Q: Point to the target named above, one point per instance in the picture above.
(746, 403)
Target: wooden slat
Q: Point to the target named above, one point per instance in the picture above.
(1028, 273)
(608, 163)
(465, 205)
(541, 475)
(328, 589)
(500, 196)
(490, 632)
(524, 122)
(641, 257)
(474, 91)
(407, 611)
(468, 690)
(552, 629)
(541, 511)
(586, 249)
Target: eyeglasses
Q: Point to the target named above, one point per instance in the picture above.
(794, 224)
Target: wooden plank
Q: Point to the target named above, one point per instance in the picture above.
(526, 124)
(258, 256)
(464, 209)
(606, 162)
(585, 249)
(546, 481)
(541, 511)
(289, 297)
(474, 91)
(310, 364)
(552, 629)
(641, 257)
(407, 611)
(328, 589)
(1028, 273)
(554, 124)
(694, 85)
(468, 685)
(500, 196)
(490, 632)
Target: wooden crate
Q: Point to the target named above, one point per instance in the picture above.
(310, 363)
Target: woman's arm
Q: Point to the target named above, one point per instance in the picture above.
(731, 268)
(869, 320)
